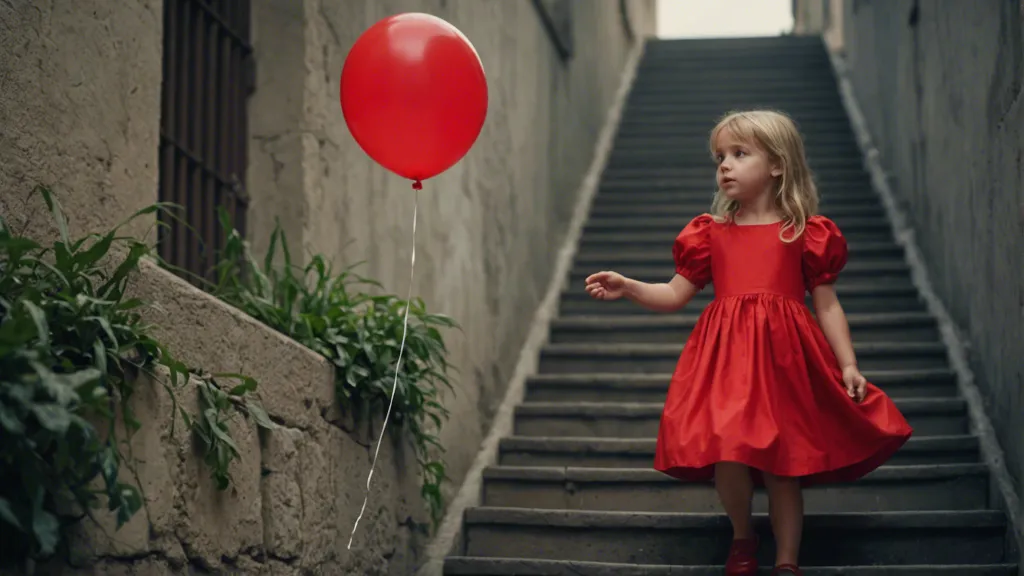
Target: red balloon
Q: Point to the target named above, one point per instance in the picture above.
(414, 94)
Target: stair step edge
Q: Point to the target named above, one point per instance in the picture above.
(481, 566)
(885, 473)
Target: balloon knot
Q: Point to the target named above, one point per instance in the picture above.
(417, 185)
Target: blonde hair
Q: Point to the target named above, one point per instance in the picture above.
(796, 196)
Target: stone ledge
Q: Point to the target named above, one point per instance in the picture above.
(295, 491)
(296, 384)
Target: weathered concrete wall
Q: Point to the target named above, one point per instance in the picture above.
(820, 17)
(79, 107)
(941, 86)
(489, 227)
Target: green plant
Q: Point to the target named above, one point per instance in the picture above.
(72, 344)
(211, 423)
(358, 332)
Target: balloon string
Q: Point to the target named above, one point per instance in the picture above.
(416, 186)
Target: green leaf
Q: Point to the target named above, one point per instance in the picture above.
(53, 417)
(39, 319)
(248, 385)
(259, 414)
(46, 529)
(98, 250)
(7, 514)
(129, 502)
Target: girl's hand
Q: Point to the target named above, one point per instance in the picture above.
(856, 384)
(606, 285)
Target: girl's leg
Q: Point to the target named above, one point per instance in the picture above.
(735, 490)
(786, 509)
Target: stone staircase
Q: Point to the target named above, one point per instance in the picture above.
(573, 492)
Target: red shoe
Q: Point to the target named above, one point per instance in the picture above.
(742, 557)
(782, 569)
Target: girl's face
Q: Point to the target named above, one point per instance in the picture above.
(744, 169)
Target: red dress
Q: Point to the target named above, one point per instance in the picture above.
(757, 381)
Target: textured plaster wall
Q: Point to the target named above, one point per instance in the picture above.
(79, 98)
(489, 228)
(941, 86)
(79, 110)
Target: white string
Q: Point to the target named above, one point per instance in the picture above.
(398, 364)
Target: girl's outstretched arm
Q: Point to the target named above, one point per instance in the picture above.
(661, 297)
(832, 320)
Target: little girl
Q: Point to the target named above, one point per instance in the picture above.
(762, 394)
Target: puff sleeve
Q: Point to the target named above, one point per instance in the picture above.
(825, 252)
(692, 251)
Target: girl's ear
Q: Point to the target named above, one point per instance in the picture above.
(776, 171)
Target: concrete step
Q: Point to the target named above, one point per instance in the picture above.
(602, 208)
(833, 155)
(675, 328)
(928, 417)
(617, 192)
(825, 116)
(675, 67)
(830, 157)
(661, 358)
(855, 296)
(726, 59)
(786, 97)
(934, 383)
(854, 228)
(702, 171)
(696, 49)
(698, 118)
(839, 159)
(830, 123)
(830, 152)
(671, 197)
(660, 240)
(639, 452)
(688, 81)
(702, 178)
(470, 566)
(861, 269)
(680, 86)
(618, 257)
(856, 539)
(660, 121)
(654, 224)
(709, 111)
(734, 97)
(723, 61)
(823, 134)
(886, 489)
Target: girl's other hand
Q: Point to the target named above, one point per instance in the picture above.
(606, 285)
(856, 384)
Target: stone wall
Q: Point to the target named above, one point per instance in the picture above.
(941, 86)
(79, 106)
